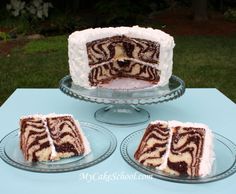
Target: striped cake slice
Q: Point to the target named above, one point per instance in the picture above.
(153, 146)
(66, 136)
(183, 149)
(51, 137)
(191, 149)
(34, 139)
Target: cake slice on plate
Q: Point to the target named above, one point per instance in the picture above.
(51, 137)
(153, 146)
(177, 148)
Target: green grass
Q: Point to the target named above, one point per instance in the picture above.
(56, 43)
(39, 64)
(201, 61)
(206, 61)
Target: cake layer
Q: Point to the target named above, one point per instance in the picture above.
(118, 47)
(34, 140)
(125, 68)
(91, 47)
(51, 137)
(188, 148)
(153, 145)
(200, 144)
(65, 135)
(186, 151)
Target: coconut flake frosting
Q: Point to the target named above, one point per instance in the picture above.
(78, 57)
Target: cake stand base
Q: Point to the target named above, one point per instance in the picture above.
(122, 115)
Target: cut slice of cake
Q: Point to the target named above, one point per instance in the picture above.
(188, 149)
(154, 143)
(34, 139)
(97, 56)
(51, 137)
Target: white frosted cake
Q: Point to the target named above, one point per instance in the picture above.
(51, 137)
(183, 149)
(97, 56)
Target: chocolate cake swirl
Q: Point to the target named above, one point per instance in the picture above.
(65, 135)
(34, 139)
(153, 145)
(122, 56)
(106, 49)
(126, 68)
(186, 151)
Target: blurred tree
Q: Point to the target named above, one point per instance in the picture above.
(74, 5)
(121, 12)
(199, 10)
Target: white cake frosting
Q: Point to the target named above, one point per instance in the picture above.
(208, 155)
(165, 156)
(54, 152)
(78, 58)
(207, 158)
(87, 148)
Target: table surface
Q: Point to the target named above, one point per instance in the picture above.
(207, 106)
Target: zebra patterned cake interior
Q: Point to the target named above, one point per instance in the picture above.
(120, 56)
(97, 56)
(182, 149)
(51, 137)
(153, 145)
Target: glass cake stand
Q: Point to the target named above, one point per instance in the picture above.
(122, 104)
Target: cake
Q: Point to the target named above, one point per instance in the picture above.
(51, 137)
(97, 56)
(176, 148)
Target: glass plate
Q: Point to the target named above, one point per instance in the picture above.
(102, 141)
(224, 164)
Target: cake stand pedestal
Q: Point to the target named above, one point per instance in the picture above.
(122, 104)
(122, 115)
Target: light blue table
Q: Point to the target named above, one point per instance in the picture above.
(197, 105)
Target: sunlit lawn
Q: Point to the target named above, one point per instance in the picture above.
(201, 61)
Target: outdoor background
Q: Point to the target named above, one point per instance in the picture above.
(33, 38)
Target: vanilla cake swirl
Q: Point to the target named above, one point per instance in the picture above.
(99, 55)
(177, 148)
(51, 137)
